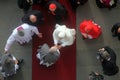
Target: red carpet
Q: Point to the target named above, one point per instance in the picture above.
(65, 68)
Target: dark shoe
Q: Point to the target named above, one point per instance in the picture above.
(83, 38)
(114, 35)
(22, 44)
(20, 61)
(118, 38)
(109, 8)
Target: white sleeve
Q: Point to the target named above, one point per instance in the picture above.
(55, 37)
(35, 30)
(9, 42)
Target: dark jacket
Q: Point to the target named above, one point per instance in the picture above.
(74, 3)
(38, 14)
(103, 5)
(110, 67)
(114, 30)
(24, 4)
(60, 10)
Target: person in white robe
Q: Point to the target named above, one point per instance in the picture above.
(63, 36)
(22, 34)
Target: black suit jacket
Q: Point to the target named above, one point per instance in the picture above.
(60, 10)
(38, 14)
(110, 67)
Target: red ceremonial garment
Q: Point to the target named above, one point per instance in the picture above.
(106, 3)
(95, 29)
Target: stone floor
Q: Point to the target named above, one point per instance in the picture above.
(10, 17)
(86, 49)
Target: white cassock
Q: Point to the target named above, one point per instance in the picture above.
(29, 30)
(67, 34)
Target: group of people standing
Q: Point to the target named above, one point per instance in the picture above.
(22, 34)
(62, 35)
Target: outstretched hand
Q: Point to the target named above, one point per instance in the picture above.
(53, 48)
(40, 35)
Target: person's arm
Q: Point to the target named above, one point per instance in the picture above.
(9, 43)
(101, 1)
(35, 30)
(53, 48)
(55, 37)
(40, 35)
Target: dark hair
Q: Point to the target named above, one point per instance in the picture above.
(9, 66)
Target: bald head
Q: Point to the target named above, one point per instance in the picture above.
(33, 18)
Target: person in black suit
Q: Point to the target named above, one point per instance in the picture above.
(33, 17)
(116, 30)
(108, 60)
(57, 10)
(26, 4)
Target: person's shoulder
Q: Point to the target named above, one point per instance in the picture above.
(117, 25)
(24, 25)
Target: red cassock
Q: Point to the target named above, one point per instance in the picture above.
(106, 3)
(95, 29)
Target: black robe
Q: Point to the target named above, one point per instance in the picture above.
(60, 12)
(38, 14)
(110, 67)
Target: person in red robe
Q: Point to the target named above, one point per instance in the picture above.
(89, 29)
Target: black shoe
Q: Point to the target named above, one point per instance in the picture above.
(19, 68)
(118, 38)
(20, 61)
(114, 35)
(83, 38)
(109, 8)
